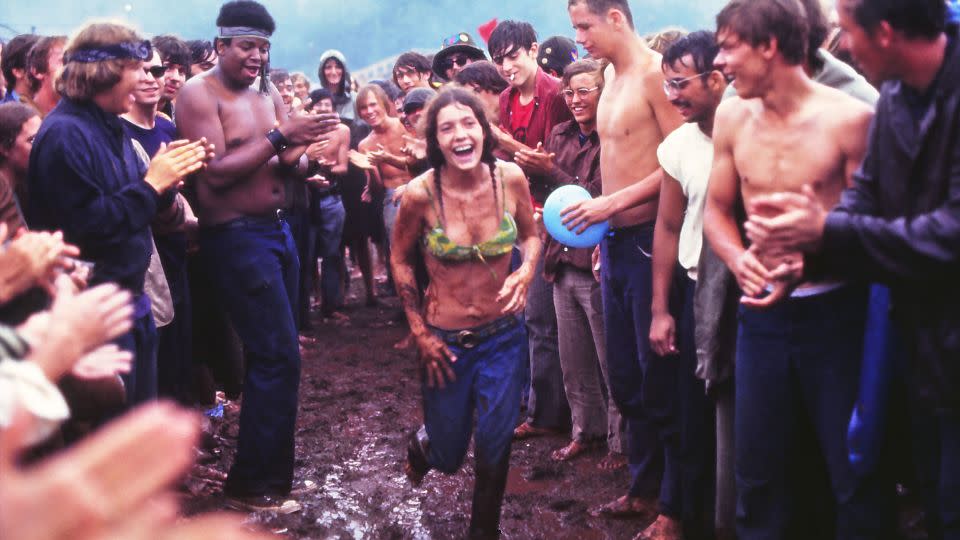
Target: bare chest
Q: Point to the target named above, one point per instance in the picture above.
(623, 113)
(246, 117)
(785, 158)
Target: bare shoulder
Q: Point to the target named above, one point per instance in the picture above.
(417, 193)
(512, 174)
(196, 89)
(343, 132)
(843, 111)
(730, 116)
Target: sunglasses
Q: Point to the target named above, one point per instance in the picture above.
(156, 71)
(460, 61)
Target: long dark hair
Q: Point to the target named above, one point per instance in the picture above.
(450, 96)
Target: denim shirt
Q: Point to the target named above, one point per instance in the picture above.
(86, 179)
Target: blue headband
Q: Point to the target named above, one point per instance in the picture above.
(121, 51)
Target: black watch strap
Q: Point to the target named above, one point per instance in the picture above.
(278, 140)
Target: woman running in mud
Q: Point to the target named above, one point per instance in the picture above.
(465, 215)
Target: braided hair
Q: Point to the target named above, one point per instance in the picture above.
(450, 96)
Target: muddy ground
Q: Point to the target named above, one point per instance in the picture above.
(358, 399)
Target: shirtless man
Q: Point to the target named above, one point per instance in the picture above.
(633, 117)
(383, 149)
(801, 357)
(245, 243)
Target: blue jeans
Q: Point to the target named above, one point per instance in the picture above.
(688, 435)
(141, 340)
(298, 219)
(936, 437)
(625, 283)
(254, 264)
(799, 362)
(330, 218)
(488, 383)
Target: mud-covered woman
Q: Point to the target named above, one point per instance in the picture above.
(465, 216)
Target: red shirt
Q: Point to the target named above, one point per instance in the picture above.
(537, 119)
(520, 119)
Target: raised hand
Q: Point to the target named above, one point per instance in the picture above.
(173, 163)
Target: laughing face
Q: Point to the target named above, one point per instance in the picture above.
(371, 110)
(582, 96)
(459, 136)
(243, 58)
(687, 90)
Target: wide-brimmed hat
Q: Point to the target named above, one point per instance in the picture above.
(458, 43)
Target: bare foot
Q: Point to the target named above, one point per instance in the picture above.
(612, 461)
(664, 528)
(574, 449)
(626, 507)
(527, 430)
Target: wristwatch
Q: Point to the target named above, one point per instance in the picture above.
(278, 140)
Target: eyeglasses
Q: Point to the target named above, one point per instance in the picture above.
(156, 71)
(568, 93)
(457, 59)
(676, 85)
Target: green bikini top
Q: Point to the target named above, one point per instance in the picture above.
(438, 244)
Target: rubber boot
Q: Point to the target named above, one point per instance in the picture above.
(491, 481)
(418, 446)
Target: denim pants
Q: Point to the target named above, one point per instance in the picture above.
(141, 340)
(329, 220)
(547, 404)
(583, 357)
(688, 430)
(799, 362)
(488, 384)
(298, 219)
(635, 383)
(937, 454)
(253, 262)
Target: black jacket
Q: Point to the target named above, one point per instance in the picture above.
(900, 224)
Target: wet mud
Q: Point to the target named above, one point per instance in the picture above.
(359, 397)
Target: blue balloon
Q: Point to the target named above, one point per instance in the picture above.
(558, 201)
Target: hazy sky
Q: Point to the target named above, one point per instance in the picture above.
(365, 30)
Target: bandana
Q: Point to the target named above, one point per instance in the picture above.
(121, 51)
(242, 31)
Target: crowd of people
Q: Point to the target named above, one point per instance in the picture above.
(764, 343)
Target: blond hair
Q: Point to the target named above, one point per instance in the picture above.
(661, 41)
(83, 80)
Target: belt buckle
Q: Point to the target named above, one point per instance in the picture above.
(279, 214)
(467, 339)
